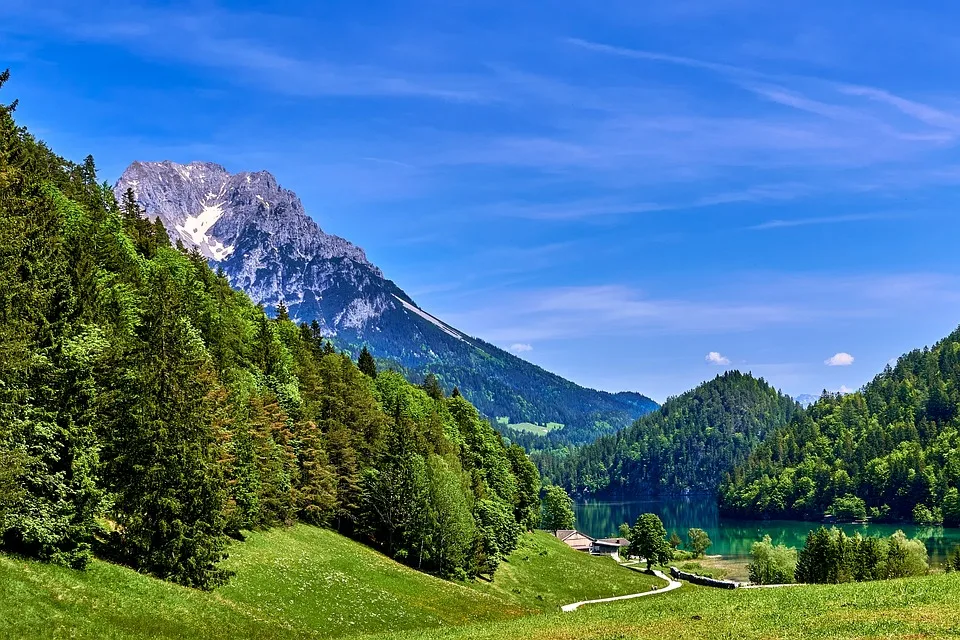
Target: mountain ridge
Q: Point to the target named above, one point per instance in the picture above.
(261, 236)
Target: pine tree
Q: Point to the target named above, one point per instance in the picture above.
(432, 386)
(316, 485)
(366, 363)
(168, 488)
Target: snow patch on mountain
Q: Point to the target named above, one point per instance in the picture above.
(197, 230)
(429, 318)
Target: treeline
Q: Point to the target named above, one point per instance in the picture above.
(831, 557)
(687, 445)
(888, 452)
(148, 411)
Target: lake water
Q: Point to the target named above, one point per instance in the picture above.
(734, 537)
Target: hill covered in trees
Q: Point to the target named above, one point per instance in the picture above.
(890, 451)
(687, 445)
(148, 411)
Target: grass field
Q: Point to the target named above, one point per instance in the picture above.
(531, 427)
(543, 574)
(305, 582)
(912, 608)
(294, 583)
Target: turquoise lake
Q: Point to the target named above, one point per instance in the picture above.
(734, 537)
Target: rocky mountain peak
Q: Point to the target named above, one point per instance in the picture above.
(207, 207)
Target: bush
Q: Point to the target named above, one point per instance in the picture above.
(771, 564)
(698, 542)
(906, 557)
(924, 515)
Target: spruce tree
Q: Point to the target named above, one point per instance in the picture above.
(168, 487)
(366, 363)
(432, 386)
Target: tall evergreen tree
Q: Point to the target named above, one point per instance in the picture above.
(168, 488)
(367, 364)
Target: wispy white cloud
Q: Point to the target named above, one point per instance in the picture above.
(804, 222)
(737, 303)
(218, 38)
(714, 357)
(924, 112)
(520, 347)
(841, 359)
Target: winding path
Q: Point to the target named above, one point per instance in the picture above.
(672, 584)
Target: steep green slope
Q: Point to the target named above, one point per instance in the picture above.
(908, 608)
(894, 447)
(500, 384)
(543, 574)
(298, 582)
(688, 444)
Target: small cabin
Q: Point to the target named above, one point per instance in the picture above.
(576, 540)
(609, 546)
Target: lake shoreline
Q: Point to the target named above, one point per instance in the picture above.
(733, 537)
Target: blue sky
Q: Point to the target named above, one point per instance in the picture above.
(615, 190)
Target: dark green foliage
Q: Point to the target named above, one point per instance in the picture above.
(847, 509)
(830, 557)
(148, 410)
(432, 386)
(648, 539)
(689, 444)
(49, 358)
(162, 468)
(497, 535)
(527, 504)
(557, 509)
(892, 448)
(500, 384)
(366, 363)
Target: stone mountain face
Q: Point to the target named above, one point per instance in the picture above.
(260, 235)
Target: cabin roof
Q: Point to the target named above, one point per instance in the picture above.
(617, 542)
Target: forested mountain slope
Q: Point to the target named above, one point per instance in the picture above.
(687, 445)
(260, 236)
(891, 450)
(148, 410)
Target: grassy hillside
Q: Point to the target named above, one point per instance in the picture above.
(297, 582)
(543, 574)
(910, 608)
(311, 583)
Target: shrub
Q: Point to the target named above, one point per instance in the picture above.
(771, 564)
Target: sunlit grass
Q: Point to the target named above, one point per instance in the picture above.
(544, 573)
(911, 608)
(297, 582)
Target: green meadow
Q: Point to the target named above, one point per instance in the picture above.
(293, 583)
